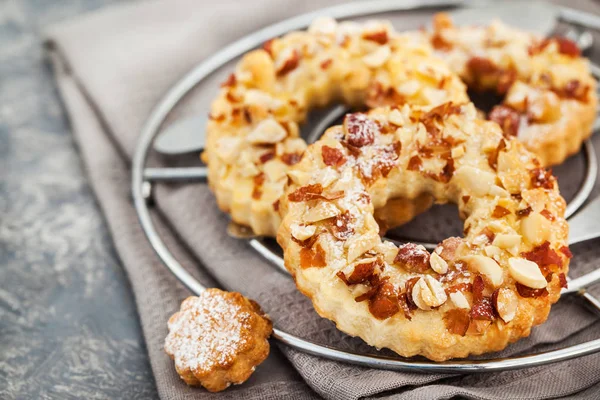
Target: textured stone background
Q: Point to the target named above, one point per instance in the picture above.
(68, 324)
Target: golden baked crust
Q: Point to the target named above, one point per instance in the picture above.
(472, 295)
(252, 135)
(217, 339)
(550, 95)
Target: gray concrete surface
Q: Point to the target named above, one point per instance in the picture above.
(68, 324)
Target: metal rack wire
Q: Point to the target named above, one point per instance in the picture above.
(143, 176)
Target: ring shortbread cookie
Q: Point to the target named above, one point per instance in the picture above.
(471, 295)
(549, 94)
(252, 135)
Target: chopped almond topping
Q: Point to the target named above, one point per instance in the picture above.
(480, 66)
(478, 287)
(506, 80)
(230, 81)
(457, 321)
(269, 155)
(448, 248)
(488, 233)
(384, 302)
(428, 293)
(437, 115)
(217, 118)
(505, 303)
(574, 89)
(276, 205)
(525, 291)
(258, 182)
(379, 96)
(412, 257)
(332, 156)
(380, 37)
(415, 164)
(562, 280)
(438, 264)
(543, 255)
(548, 215)
(483, 310)
(441, 112)
(360, 130)
(542, 178)
(312, 257)
(508, 119)
(493, 157)
(408, 288)
(326, 63)
(565, 250)
(362, 272)
(380, 164)
(268, 46)
(500, 212)
(291, 158)
(305, 193)
(341, 226)
(460, 287)
(289, 64)
(527, 273)
(524, 212)
(447, 172)
(439, 43)
(565, 46)
(442, 21)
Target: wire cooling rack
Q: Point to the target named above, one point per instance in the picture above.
(143, 177)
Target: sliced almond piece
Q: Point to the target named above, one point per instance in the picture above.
(474, 180)
(300, 178)
(389, 251)
(378, 57)
(496, 190)
(397, 118)
(255, 97)
(459, 300)
(486, 266)
(458, 152)
(267, 131)
(409, 88)
(323, 25)
(493, 252)
(505, 302)
(438, 264)
(275, 170)
(360, 244)
(322, 211)
(536, 228)
(302, 232)
(228, 148)
(508, 241)
(526, 273)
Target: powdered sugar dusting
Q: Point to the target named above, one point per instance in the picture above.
(208, 332)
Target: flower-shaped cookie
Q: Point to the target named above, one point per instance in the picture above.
(217, 339)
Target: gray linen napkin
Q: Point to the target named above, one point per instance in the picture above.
(112, 66)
